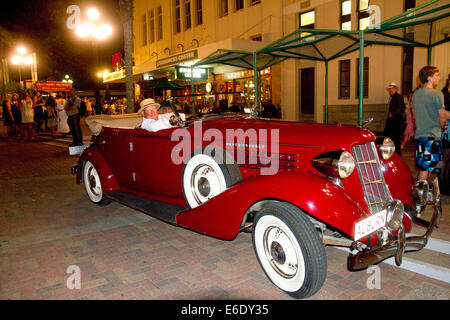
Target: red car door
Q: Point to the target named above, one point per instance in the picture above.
(153, 168)
(117, 149)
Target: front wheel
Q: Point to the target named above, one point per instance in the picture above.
(289, 249)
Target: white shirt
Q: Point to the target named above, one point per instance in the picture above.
(162, 123)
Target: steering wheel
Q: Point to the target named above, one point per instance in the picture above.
(175, 119)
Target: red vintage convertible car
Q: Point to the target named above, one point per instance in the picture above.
(296, 186)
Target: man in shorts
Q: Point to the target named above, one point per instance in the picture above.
(429, 111)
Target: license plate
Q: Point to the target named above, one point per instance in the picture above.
(367, 226)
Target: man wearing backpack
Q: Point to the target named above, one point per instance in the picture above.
(73, 119)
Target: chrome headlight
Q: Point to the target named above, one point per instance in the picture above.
(337, 164)
(386, 147)
(395, 211)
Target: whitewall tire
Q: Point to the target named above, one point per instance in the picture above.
(93, 185)
(289, 249)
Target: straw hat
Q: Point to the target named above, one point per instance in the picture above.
(147, 103)
(392, 85)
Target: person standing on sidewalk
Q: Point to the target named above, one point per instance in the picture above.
(73, 119)
(26, 108)
(395, 124)
(8, 116)
(428, 105)
(38, 104)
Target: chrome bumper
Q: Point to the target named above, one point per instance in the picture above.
(397, 247)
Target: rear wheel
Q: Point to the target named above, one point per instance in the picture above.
(93, 185)
(289, 249)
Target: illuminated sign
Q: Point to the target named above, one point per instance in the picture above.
(198, 73)
(177, 59)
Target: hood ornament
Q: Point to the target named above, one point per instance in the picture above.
(365, 123)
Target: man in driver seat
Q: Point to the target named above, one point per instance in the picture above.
(152, 120)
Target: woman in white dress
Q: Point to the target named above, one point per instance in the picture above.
(63, 127)
(26, 108)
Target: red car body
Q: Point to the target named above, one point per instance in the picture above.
(138, 163)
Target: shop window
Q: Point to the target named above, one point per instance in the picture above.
(151, 15)
(199, 12)
(346, 14)
(238, 5)
(160, 24)
(177, 16)
(144, 30)
(344, 79)
(187, 14)
(223, 8)
(363, 14)
(366, 78)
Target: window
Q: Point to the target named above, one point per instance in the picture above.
(223, 8)
(151, 15)
(363, 14)
(256, 38)
(366, 78)
(346, 14)
(187, 14)
(344, 79)
(239, 4)
(144, 29)
(254, 2)
(177, 16)
(307, 20)
(159, 20)
(199, 13)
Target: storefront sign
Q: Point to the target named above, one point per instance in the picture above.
(53, 86)
(198, 73)
(177, 59)
(117, 61)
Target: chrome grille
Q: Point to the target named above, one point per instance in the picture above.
(368, 165)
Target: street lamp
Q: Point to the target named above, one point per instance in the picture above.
(23, 59)
(95, 30)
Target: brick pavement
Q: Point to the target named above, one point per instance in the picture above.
(48, 224)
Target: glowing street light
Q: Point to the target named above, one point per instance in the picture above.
(23, 59)
(93, 14)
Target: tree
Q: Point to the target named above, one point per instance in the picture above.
(126, 15)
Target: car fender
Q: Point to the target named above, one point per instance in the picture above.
(221, 217)
(92, 154)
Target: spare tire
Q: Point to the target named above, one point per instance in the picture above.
(206, 175)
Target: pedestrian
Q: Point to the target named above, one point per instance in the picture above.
(62, 127)
(410, 129)
(15, 107)
(395, 124)
(38, 104)
(88, 106)
(429, 111)
(8, 116)
(26, 108)
(73, 119)
(445, 133)
(444, 175)
(50, 105)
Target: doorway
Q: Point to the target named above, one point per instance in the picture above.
(307, 91)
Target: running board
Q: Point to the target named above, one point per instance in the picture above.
(160, 210)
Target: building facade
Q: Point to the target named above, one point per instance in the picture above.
(172, 34)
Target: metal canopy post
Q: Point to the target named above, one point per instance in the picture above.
(361, 75)
(192, 89)
(326, 91)
(255, 80)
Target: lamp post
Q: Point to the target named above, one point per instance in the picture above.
(23, 59)
(96, 31)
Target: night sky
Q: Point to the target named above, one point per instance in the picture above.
(40, 25)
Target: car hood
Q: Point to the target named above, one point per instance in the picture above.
(295, 133)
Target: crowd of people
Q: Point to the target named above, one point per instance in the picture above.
(30, 114)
